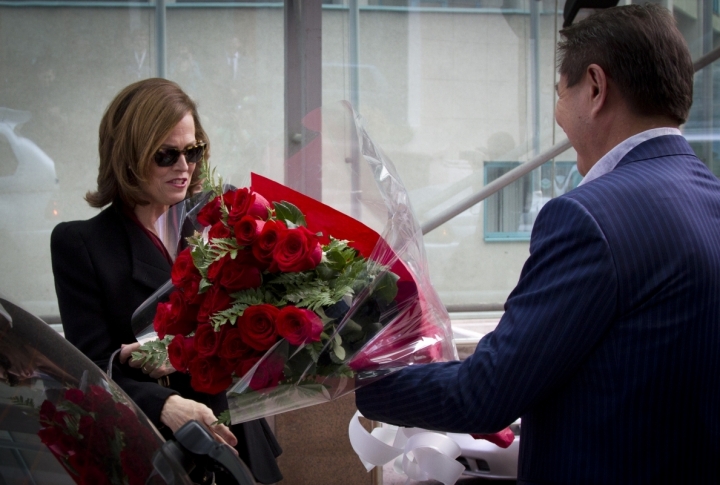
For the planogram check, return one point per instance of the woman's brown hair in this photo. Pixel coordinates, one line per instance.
(132, 130)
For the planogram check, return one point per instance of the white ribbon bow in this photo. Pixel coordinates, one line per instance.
(419, 454)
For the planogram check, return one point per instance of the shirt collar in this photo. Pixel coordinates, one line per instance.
(610, 160)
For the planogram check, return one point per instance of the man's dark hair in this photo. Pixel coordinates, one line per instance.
(641, 50)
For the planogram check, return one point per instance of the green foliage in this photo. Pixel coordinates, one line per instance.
(220, 248)
(153, 353)
(207, 175)
(386, 288)
(223, 418)
(289, 214)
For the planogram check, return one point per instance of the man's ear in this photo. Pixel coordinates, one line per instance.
(598, 85)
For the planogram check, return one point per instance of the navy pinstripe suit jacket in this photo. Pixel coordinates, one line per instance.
(609, 348)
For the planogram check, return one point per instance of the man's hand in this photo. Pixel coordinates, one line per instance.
(156, 372)
(178, 411)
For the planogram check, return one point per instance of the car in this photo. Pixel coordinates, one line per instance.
(484, 459)
(480, 457)
(63, 421)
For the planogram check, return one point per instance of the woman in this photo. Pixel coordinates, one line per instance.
(151, 146)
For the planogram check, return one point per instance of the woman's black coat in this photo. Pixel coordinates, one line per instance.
(104, 269)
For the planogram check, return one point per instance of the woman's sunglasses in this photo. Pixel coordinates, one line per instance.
(166, 157)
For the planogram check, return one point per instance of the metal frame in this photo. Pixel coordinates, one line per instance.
(303, 94)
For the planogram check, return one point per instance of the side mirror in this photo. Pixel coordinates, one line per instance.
(195, 447)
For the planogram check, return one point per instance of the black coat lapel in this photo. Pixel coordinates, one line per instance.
(149, 265)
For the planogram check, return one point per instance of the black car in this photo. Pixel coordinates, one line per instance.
(62, 421)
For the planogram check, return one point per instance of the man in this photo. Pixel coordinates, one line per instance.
(609, 347)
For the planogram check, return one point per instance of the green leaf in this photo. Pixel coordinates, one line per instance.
(287, 212)
(325, 272)
(350, 327)
(338, 354)
(153, 352)
(335, 260)
(386, 289)
(299, 363)
(338, 349)
(223, 418)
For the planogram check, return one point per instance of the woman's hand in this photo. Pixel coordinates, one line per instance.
(156, 372)
(178, 411)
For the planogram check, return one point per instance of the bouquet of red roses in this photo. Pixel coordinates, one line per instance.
(87, 432)
(285, 302)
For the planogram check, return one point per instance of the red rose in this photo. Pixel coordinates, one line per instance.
(240, 273)
(183, 268)
(216, 300)
(181, 318)
(299, 325)
(97, 399)
(258, 326)
(265, 243)
(248, 229)
(268, 374)
(297, 250)
(136, 466)
(57, 441)
(210, 213)
(207, 340)
(47, 411)
(95, 438)
(75, 396)
(127, 419)
(181, 351)
(216, 267)
(248, 203)
(243, 366)
(209, 375)
(59, 418)
(89, 472)
(162, 316)
(219, 231)
(233, 347)
(191, 289)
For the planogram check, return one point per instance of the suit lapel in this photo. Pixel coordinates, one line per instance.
(149, 266)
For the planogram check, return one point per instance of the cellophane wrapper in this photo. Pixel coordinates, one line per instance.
(373, 213)
(365, 203)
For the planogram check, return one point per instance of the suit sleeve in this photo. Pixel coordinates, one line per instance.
(561, 308)
(84, 318)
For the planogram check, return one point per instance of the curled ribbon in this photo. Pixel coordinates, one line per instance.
(419, 454)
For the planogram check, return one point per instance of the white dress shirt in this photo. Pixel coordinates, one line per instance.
(608, 162)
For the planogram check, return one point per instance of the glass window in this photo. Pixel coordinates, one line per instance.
(511, 212)
(455, 92)
(62, 421)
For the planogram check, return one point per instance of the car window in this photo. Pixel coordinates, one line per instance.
(61, 419)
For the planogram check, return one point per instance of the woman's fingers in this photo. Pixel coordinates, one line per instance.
(178, 411)
(219, 430)
(161, 371)
(153, 370)
(223, 434)
(126, 351)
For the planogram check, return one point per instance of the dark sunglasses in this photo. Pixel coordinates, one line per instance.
(166, 157)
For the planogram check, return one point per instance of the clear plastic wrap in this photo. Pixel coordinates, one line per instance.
(389, 317)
